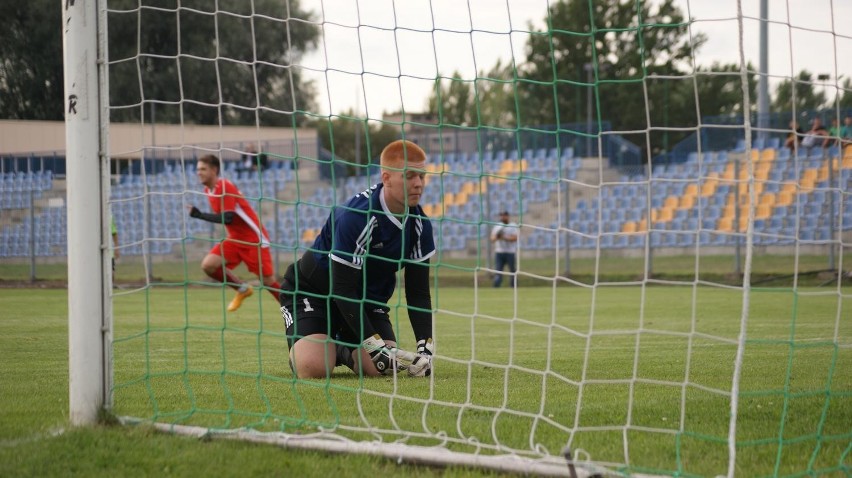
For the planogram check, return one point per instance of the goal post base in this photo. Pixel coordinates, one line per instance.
(397, 452)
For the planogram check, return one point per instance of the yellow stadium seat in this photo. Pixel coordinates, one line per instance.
(708, 188)
(308, 235)
(729, 199)
(671, 202)
(629, 226)
(767, 199)
(761, 176)
(434, 210)
(691, 190)
(809, 179)
(764, 211)
(686, 202)
(728, 173)
(725, 224)
(768, 154)
(666, 214)
(785, 198)
(822, 173)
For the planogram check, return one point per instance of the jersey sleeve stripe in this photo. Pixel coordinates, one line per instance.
(344, 261)
(363, 242)
(262, 239)
(417, 250)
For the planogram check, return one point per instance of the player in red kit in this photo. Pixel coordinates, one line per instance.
(247, 239)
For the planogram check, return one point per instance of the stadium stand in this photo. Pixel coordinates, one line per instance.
(792, 193)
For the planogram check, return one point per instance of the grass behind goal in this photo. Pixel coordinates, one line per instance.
(638, 372)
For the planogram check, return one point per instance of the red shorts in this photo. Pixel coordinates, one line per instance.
(257, 259)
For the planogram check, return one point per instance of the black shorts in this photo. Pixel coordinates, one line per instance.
(307, 311)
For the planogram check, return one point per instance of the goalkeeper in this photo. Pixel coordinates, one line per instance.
(334, 298)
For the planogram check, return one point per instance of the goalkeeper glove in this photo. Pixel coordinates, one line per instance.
(383, 358)
(421, 366)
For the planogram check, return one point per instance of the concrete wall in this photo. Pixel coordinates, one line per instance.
(129, 140)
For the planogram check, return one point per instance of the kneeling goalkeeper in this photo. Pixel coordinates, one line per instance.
(334, 298)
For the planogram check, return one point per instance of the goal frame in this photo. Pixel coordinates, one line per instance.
(89, 265)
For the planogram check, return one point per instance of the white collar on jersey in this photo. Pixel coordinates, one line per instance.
(393, 217)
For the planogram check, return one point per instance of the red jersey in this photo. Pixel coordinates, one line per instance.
(245, 227)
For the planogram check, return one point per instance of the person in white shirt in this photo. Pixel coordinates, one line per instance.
(505, 239)
(816, 136)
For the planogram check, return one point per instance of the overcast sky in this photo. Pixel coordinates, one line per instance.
(389, 63)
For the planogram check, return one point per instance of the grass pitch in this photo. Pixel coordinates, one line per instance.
(655, 370)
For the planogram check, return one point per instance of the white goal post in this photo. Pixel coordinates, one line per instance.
(89, 271)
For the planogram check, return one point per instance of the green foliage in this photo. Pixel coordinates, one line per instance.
(628, 58)
(354, 141)
(31, 75)
(720, 90)
(232, 67)
(634, 65)
(799, 94)
(844, 100)
(489, 100)
(452, 101)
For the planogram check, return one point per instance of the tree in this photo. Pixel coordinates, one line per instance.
(720, 89)
(31, 77)
(844, 96)
(355, 141)
(488, 100)
(229, 62)
(632, 55)
(452, 103)
(806, 95)
(233, 68)
(495, 97)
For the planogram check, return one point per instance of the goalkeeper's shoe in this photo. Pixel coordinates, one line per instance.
(239, 298)
(344, 357)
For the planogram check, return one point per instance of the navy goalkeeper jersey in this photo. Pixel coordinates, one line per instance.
(364, 235)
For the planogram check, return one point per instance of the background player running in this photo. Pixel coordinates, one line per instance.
(247, 240)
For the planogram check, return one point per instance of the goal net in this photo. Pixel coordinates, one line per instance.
(678, 302)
